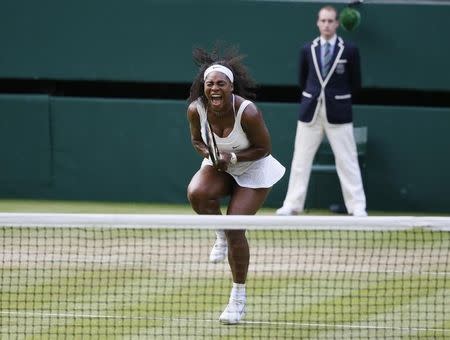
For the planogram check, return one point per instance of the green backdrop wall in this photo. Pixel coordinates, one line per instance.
(139, 150)
(152, 41)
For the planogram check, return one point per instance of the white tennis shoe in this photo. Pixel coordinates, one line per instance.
(359, 213)
(285, 211)
(219, 251)
(233, 313)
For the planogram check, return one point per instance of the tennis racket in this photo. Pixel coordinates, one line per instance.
(211, 143)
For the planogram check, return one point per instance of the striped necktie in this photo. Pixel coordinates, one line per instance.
(326, 60)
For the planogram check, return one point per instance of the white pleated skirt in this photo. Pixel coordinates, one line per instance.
(263, 173)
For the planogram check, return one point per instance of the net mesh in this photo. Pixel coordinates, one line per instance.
(107, 280)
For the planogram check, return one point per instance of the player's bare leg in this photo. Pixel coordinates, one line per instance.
(204, 192)
(244, 201)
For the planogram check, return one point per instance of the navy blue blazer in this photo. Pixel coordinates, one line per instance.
(343, 80)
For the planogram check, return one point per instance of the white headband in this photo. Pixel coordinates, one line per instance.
(219, 68)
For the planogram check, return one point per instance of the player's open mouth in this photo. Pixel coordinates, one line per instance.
(216, 100)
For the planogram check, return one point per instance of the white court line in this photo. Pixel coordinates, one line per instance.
(268, 323)
(268, 270)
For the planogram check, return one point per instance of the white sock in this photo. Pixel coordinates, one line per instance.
(220, 234)
(238, 291)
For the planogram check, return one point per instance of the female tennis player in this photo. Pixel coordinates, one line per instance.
(244, 170)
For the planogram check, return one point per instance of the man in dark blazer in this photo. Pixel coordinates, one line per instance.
(329, 73)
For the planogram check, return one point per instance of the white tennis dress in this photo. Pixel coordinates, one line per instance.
(262, 173)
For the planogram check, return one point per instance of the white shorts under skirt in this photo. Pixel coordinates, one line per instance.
(263, 173)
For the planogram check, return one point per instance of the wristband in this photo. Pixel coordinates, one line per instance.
(233, 159)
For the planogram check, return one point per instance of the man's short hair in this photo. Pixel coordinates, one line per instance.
(329, 8)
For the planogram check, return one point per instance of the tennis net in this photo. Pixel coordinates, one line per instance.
(148, 276)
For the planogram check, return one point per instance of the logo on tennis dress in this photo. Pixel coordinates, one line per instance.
(235, 147)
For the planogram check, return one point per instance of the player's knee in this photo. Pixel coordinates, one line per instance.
(195, 195)
(201, 201)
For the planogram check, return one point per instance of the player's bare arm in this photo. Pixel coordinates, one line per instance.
(257, 133)
(195, 129)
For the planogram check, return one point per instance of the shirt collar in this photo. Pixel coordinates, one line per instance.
(332, 41)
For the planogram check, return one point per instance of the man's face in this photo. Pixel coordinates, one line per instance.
(327, 23)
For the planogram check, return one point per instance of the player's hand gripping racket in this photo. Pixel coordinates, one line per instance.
(211, 143)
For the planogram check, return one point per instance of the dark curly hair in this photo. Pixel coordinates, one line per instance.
(244, 85)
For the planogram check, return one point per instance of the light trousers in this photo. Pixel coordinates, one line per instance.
(342, 141)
